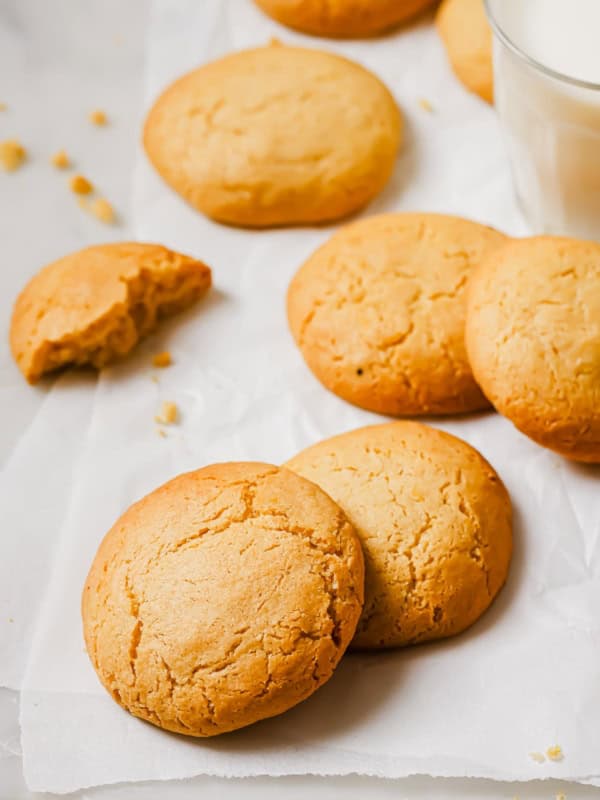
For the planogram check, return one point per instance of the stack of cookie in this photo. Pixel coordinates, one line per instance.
(416, 314)
(230, 594)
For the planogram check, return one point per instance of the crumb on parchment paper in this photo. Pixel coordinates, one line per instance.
(561, 796)
(555, 753)
(162, 360)
(3, 106)
(103, 210)
(12, 154)
(99, 208)
(162, 433)
(425, 104)
(539, 758)
(98, 117)
(169, 414)
(60, 160)
(80, 185)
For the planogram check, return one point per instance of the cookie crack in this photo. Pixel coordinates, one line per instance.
(136, 634)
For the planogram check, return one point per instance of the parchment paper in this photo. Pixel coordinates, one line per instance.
(522, 679)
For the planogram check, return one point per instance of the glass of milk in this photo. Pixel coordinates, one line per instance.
(547, 93)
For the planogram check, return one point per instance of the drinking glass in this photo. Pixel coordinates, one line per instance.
(551, 125)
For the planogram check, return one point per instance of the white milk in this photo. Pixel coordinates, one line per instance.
(551, 123)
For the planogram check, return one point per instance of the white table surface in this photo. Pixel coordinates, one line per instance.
(58, 61)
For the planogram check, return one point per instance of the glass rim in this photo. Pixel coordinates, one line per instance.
(548, 71)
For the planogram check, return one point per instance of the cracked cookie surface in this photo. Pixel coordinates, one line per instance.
(343, 18)
(93, 306)
(379, 312)
(275, 136)
(434, 520)
(533, 337)
(224, 597)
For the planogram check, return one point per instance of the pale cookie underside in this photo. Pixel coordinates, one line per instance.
(434, 520)
(93, 306)
(533, 336)
(379, 312)
(226, 596)
(253, 139)
(467, 37)
(351, 18)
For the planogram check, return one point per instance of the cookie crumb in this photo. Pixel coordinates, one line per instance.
(537, 757)
(168, 415)
(60, 160)
(162, 359)
(12, 154)
(154, 378)
(425, 104)
(274, 42)
(561, 796)
(162, 433)
(103, 210)
(80, 185)
(98, 117)
(10, 619)
(3, 106)
(555, 753)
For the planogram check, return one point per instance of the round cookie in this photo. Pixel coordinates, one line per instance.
(343, 18)
(275, 136)
(93, 306)
(434, 520)
(533, 337)
(224, 597)
(379, 311)
(467, 37)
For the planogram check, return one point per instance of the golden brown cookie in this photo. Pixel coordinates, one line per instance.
(379, 312)
(275, 136)
(533, 337)
(434, 520)
(467, 37)
(224, 597)
(93, 306)
(343, 18)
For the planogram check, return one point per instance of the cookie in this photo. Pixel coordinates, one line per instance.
(434, 520)
(533, 337)
(224, 597)
(343, 18)
(467, 37)
(93, 306)
(379, 311)
(275, 136)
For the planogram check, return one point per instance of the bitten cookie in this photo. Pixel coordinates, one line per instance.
(343, 18)
(467, 37)
(93, 306)
(533, 337)
(224, 597)
(434, 520)
(379, 312)
(275, 136)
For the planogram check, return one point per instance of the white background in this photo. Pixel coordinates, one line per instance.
(58, 60)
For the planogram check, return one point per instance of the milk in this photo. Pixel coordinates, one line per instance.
(547, 92)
